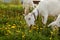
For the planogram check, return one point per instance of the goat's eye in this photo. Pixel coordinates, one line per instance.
(29, 18)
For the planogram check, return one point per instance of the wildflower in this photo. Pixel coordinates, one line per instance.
(41, 28)
(8, 31)
(6, 23)
(23, 36)
(13, 26)
(9, 25)
(6, 28)
(51, 32)
(55, 28)
(23, 33)
(30, 31)
(50, 38)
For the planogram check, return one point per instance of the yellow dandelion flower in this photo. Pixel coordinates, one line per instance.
(13, 26)
(23, 36)
(9, 25)
(8, 31)
(41, 28)
(6, 28)
(50, 38)
(51, 32)
(6, 23)
(30, 31)
(23, 33)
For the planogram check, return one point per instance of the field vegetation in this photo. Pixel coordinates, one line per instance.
(14, 27)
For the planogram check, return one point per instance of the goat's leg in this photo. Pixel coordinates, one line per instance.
(44, 19)
(52, 24)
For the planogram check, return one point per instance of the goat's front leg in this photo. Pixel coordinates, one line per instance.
(52, 24)
(45, 17)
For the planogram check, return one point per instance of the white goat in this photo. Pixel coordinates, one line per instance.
(45, 8)
(30, 18)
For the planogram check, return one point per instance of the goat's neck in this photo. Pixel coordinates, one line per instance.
(36, 13)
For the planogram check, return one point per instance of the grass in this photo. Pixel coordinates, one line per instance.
(14, 27)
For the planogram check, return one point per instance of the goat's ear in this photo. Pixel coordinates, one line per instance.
(33, 13)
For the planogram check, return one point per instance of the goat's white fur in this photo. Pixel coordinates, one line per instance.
(46, 8)
(56, 22)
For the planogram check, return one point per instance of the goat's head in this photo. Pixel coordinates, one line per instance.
(29, 18)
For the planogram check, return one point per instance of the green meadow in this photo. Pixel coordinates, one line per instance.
(14, 27)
